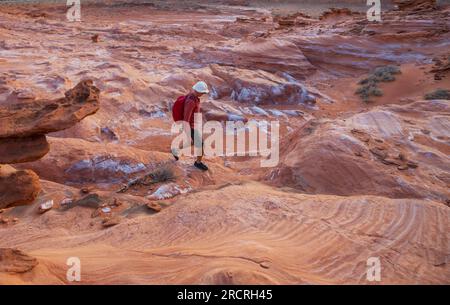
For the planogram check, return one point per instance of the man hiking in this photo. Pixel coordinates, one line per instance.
(184, 109)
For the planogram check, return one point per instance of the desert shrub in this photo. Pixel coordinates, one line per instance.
(369, 85)
(438, 94)
(386, 73)
(163, 173)
(368, 90)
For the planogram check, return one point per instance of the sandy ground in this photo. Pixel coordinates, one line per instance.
(355, 179)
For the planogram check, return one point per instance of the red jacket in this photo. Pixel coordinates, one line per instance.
(191, 106)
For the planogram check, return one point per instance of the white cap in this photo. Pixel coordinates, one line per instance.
(201, 87)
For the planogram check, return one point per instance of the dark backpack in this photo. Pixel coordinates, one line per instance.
(178, 109)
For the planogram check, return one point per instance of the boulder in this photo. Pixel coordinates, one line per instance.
(111, 221)
(17, 187)
(154, 206)
(46, 206)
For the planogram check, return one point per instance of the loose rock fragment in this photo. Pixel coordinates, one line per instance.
(392, 161)
(106, 210)
(88, 201)
(46, 206)
(154, 206)
(94, 38)
(111, 221)
(378, 152)
(66, 201)
(412, 164)
(403, 167)
(117, 203)
(85, 190)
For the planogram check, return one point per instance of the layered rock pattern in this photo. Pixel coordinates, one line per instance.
(355, 180)
(22, 136)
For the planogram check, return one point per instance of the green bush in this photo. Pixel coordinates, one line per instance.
(386, 73)
(369, 85)
(438, 94)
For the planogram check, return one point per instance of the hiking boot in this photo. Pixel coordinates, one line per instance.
(201, 166)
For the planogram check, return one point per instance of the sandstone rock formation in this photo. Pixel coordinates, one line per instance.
(94, 162)
(40, 117)
(416, 5)
(16, 261)
(234, 235)
(336, 13)
(296, 19)
(17, 187)
(272, 55)
(22, 136)
(372, 153)
(259, 87)
(23, 149)
(355, 180)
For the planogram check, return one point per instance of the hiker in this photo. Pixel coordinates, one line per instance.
(184, 109)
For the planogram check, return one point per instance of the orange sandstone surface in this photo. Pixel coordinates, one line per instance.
(85, 133)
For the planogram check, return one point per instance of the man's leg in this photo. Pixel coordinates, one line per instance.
(198, 163)
(175, 154)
